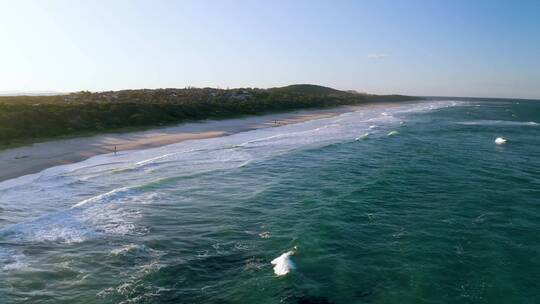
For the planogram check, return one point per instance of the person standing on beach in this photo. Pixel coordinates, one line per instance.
(114, 150)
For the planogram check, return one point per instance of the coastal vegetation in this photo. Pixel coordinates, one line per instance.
(26, 119)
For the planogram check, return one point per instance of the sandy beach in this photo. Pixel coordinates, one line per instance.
(39, 156)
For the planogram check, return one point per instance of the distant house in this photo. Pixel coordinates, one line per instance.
(240, 96)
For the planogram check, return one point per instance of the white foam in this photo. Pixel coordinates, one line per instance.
(392, 133)
(500, 140)
(105, 214)
(363, 136)
(153, 159)
(56, 227)
(283, 263)
(11, 260)
(125, 249)
(17, 264)
(103, 198)
(265, 235)
(498, 122)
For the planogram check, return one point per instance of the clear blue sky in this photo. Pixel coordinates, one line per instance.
(453, 48)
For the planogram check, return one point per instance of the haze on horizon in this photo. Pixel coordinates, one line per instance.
(432, 48)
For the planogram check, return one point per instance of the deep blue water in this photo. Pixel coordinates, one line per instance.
(435, 213)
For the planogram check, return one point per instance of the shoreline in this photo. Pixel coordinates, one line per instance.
(34, 158)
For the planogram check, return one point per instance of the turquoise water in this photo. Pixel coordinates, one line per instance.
(436, 213)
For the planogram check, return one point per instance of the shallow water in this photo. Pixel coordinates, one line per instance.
(435, 213)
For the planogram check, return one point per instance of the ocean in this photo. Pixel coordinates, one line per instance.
(409, 203)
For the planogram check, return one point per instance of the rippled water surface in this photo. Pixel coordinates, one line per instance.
(435, 212)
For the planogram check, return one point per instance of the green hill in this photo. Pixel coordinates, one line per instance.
(310, 89)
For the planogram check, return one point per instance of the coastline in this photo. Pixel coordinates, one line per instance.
(37, 157)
